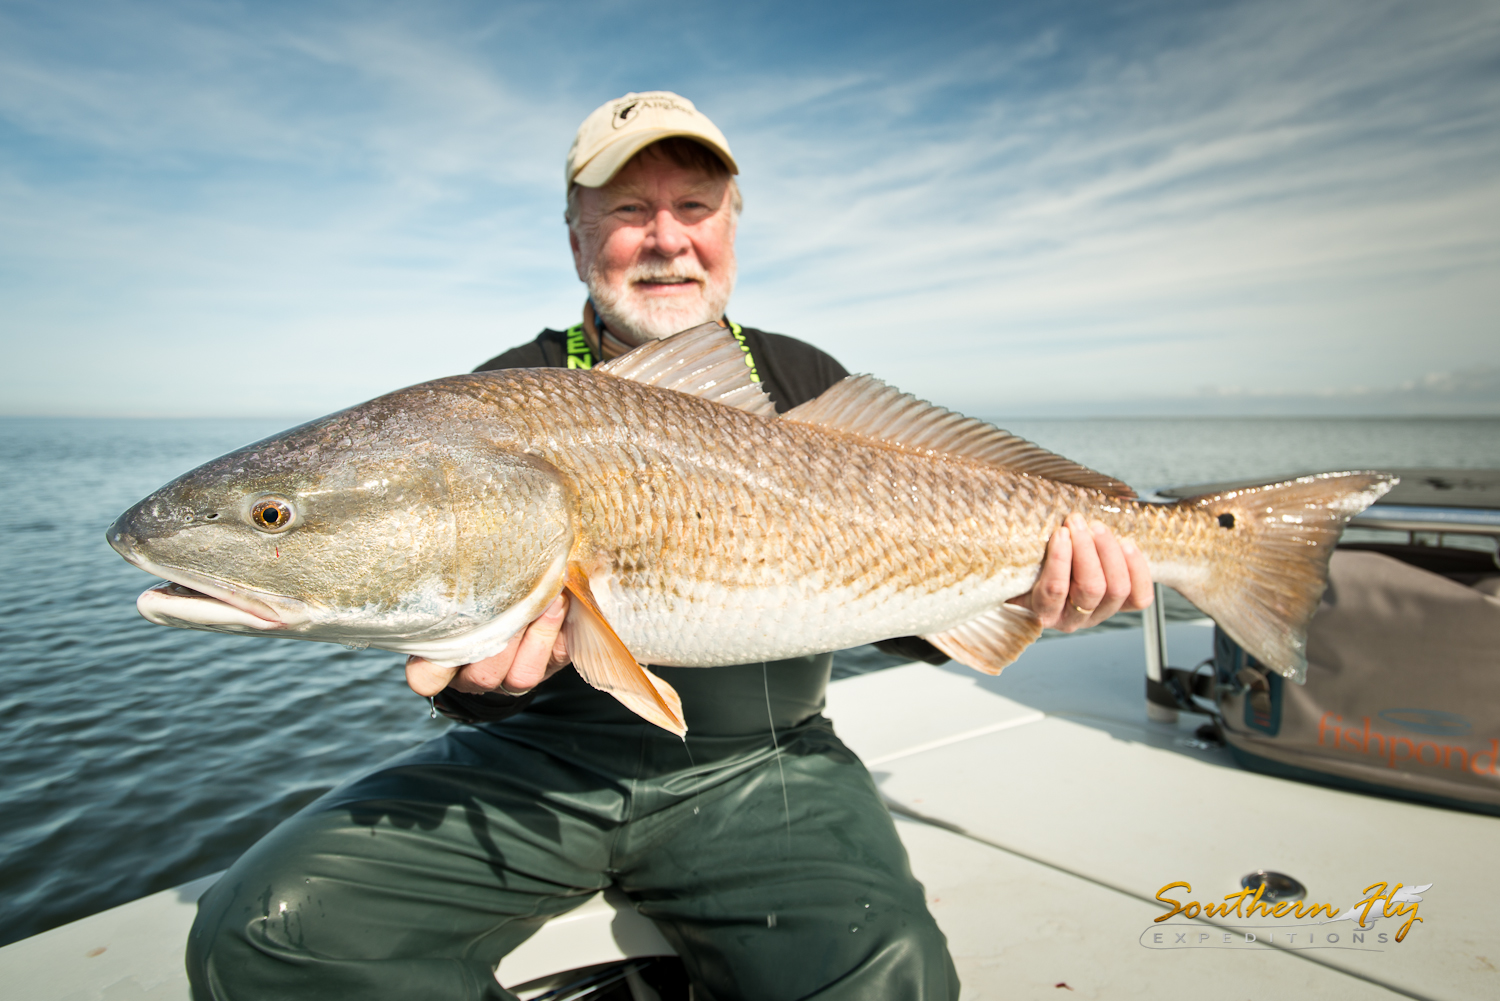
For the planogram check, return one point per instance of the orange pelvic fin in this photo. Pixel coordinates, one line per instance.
(603, 660)
(991, 641)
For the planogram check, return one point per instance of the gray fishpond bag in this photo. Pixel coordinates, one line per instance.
(1403, 682)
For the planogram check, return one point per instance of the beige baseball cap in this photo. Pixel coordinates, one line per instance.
(620, 129)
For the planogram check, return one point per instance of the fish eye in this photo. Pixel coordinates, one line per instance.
(271, 514)
(1226, 521)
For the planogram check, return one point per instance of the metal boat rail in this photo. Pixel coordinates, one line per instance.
(1443, 520)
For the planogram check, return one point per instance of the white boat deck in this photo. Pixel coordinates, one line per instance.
(1087, 810)
(1042, 812)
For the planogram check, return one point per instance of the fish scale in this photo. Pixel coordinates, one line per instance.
(890, 539)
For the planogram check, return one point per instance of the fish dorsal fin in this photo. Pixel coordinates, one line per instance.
(601, 657)
(991, 641)
(863, 405)
(706, 360)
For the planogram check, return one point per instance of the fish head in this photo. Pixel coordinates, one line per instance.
(414, 518)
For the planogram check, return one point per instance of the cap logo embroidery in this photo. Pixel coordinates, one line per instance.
(625, 114)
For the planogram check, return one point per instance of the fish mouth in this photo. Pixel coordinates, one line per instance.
(174, 604)
(196, 601)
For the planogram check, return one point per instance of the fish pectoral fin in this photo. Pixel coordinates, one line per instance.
(706, 361)
(604, 661)
(863, 406)
(992, 641)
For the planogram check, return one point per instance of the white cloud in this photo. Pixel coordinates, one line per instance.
(1282, 196)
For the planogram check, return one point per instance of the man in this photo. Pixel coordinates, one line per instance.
(759, 846)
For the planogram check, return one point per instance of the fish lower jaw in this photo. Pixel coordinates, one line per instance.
(189, 600)
(173, 604)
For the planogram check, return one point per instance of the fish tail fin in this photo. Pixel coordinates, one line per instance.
(1264, 587)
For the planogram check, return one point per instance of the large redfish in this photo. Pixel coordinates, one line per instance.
(691, 525)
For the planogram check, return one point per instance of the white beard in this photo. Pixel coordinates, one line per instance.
(636, 318)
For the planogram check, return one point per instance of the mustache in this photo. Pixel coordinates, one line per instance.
(666, 271)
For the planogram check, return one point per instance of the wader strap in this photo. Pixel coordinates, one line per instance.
(579, 355)
(739, 335)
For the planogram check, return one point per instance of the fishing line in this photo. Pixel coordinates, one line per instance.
(765, 677)
(693, 770)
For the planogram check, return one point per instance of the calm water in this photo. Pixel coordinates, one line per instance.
(134, 758)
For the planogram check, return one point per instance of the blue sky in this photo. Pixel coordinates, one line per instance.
(1013, 209)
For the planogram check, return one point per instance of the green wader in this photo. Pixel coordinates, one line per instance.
(772, 868)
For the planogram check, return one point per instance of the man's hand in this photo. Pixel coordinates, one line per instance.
(539, 652)
(1087, 576)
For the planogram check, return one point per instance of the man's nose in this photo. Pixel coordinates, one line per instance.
(667, 235)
